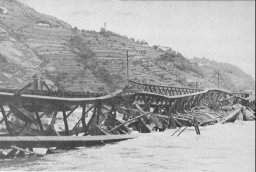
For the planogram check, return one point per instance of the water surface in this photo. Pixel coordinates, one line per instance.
(228, 147)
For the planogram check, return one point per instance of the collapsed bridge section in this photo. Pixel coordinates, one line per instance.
(164, 90)
(45, 113)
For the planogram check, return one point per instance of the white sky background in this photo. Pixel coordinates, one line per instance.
(219, 30)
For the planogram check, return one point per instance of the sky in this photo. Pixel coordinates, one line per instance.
(223, 31)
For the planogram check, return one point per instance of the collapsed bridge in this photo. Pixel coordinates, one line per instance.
(142, 108)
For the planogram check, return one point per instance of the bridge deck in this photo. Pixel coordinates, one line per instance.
(55, 141)
(5, 96)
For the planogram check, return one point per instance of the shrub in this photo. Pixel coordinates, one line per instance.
(84, 50)
(107, 33)
(132, 39)
(3, 59)
(102, 31)
(155, 47)
(180, 62)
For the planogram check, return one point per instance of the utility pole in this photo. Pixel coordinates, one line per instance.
(218, 78)
(127, 67)
(105, 26)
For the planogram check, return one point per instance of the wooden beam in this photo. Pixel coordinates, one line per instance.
(31, 131)
(57, 141)
(25, 151)
(72, 111)
(99, 112)
(182, 130)
(93, 118)
(39, 121)
(21, 113)
(81, 118)
(19, 92)
(11, 153)
(35, 108)
(65, 120)
(53, 118)
(45, 85)
(25, 129)
(133, 119)
(44, 113)
(7, 115)
(171, 121)
(5, 119)
(176, 130)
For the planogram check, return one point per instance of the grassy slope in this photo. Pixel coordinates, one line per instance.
(84, 60)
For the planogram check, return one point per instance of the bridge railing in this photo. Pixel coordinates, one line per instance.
(164, 90)
(241, 94)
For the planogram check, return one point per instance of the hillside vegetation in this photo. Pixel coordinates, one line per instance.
(230, 76)
(81, 60)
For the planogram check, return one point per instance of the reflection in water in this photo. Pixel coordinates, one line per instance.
(228, 147)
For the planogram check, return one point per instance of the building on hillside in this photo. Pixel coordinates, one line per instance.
(3, 10)
(3, 32)
(163, 48)
(141, 51)
(43, 23)
(105, 25)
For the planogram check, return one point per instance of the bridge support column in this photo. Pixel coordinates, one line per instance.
(83, 117)
(65, 120)
(5, 120)
(38, 117)
(172, 123)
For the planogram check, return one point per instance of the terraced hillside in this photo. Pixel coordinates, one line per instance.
(31, 43)
(39, 43)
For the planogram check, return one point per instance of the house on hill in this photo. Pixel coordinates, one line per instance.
(163, 48)
(3, 10)
(43, 23)
(3, 32)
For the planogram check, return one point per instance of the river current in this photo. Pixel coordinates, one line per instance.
(227, 147)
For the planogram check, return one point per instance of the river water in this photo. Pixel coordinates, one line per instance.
(227, 147)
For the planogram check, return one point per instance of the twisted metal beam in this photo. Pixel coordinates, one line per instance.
(164, 90)
(209, 98)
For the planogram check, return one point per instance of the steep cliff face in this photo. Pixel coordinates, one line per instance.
(31, 43)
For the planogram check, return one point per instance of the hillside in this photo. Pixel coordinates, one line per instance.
(82, 60)
(230, 76)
